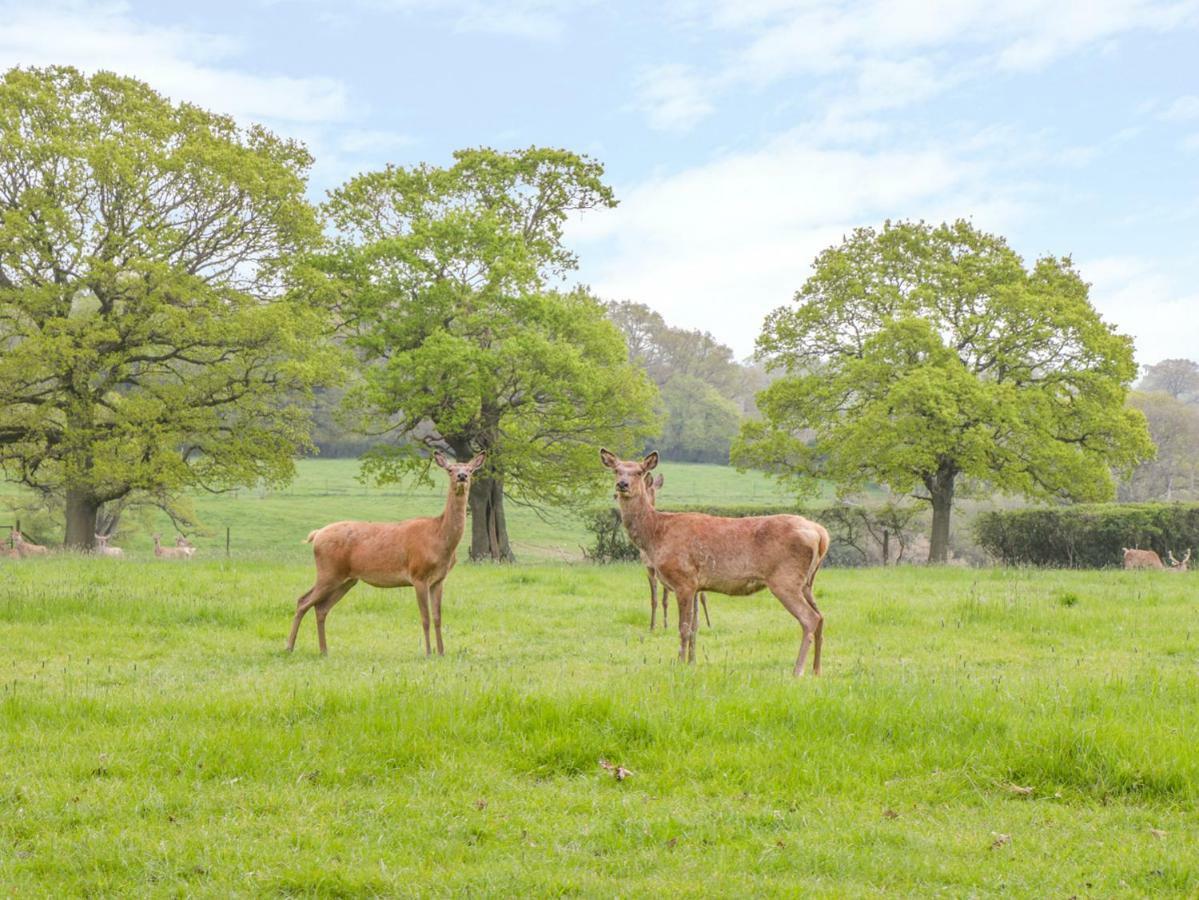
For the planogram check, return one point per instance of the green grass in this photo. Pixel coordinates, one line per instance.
(274, 523)
(157, 742)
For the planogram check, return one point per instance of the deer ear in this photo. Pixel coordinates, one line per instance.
(478, 461)
(440, 459)
(649, 462)
(659, 481)
(607, 458)
(648, 479)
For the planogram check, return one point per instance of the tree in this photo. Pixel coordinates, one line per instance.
(148, 335)
(445, 272)
(700, 423)
(1177, 377)
(920, 354)
(1174, 427)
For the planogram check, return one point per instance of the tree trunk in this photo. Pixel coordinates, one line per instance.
(488, 527)
(940, 489)
(886, 546)
(81, 521)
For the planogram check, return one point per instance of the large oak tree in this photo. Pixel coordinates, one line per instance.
(148, 337)
(916, 355)
(445, 278)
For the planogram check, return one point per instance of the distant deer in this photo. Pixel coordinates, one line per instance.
(417, 552)
(1141, 559)
(1179, 565)
(691, 552)
(102, 548)
(653, 485)
(170, 552)
(24, 548)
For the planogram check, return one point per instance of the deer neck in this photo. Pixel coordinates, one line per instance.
(453, 519)
(640, 520)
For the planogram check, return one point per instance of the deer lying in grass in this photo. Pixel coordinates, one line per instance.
(417, 552)
(653, 485)
(692, 552)
(24, 548)
(1141, 559)
(170, 552)
(102, 548)
(1179, 565)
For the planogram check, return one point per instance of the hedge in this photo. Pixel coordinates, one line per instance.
(1090, 536)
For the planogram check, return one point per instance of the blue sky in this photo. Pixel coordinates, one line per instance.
(741, 136)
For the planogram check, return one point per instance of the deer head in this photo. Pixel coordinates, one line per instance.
(630, 476)
(1179, 565)
(460, 473)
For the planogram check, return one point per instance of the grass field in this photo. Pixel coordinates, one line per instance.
(273, 524)
(975, 733)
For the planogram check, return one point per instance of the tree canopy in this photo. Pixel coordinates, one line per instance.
(917, 355)
(445, 273)
(149, 336)
(1174, 427)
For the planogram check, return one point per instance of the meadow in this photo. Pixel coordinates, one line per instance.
(975, 732)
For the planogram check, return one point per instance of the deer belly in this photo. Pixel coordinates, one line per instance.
(733, 587)
(385, 579)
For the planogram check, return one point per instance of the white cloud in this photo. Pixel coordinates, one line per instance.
(1181, 110)
(185, 65)
(1141, 300)
(719, 246)
(673, 97)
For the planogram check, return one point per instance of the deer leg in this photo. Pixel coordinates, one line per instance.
(422, 600)
(818, 638)
(703, 599)
(322, 611)
(665, 602)
(653, 598)
(685, 605)
(694, 627)
(305, 602)
(435, 602)
(791, 595)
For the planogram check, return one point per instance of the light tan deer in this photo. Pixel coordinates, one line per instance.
(692, 552)
(416, 552)
(653, 485)
(1179, 565)
(170, 552)
(24, 548)
(1141, 559)
(102, 548)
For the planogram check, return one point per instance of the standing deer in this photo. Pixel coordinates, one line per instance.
(1179, 565)
(691, 552)
(1141, 559)
(102, 548)
(170, 552)
(417, 552)
(24, 548)
(653, 485)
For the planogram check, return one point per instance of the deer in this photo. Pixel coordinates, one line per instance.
(1179, 565)
(102, 548)
(170, 552)
(691, 552)
(1141, 559)
(653, 485)
(416, 552)
(24, 548)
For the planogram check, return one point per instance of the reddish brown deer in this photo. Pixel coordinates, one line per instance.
(1179, 565)
(24, 548)
(653, 485)
(1141, 559)
(416, 552)
(692, 552)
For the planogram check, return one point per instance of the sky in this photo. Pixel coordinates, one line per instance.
(741, 136)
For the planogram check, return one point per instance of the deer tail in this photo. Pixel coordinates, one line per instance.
(311, 535)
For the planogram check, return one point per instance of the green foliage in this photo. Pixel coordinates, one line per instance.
(149, 331)
(1174, 427)
(446, 273)
(610, 542)
(919, 354)
(1087, 536)
(156, 742)
(700, 423)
